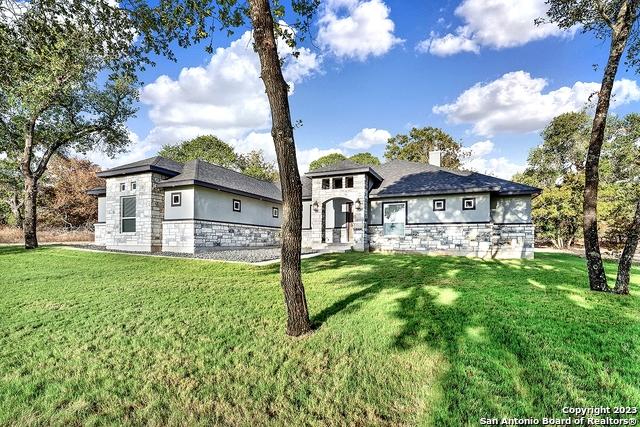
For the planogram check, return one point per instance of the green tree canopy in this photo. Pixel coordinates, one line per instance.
(213, 150)
(206, 147)
(254, 164)
(365, 159)
(419, 142)
(557, 166)
(361, 158)
(63, 87)
(563, 151)
(327, 160)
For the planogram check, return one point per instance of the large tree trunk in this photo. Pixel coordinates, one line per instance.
(624, 266)
(282, 131)
(30, 216)
(620, 35)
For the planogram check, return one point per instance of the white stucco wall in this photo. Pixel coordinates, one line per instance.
(186, 208)
(511, 209)
(420, 209)
(102, 209)
(213, 205)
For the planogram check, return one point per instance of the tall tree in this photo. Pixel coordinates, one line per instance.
(419, 142)
(65, 202)
(623, 158)
(205, 147)
(606, 18)
(264, 35)
(52, 100)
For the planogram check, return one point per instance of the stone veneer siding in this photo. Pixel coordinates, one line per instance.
(191, 236)
(360, 191)
(484, 240)
(98, 233)
(149, 213)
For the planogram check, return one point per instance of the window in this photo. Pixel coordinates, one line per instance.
(275, 212)
(237, 205)
(469, 204)
(128, 214)
(123, 186)
(439, 204)
(176, 199)
(337, 182)
(133, 185)
(348, 182)
(394, 218)
(325, 184)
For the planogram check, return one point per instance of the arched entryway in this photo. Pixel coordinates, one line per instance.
(337, 221)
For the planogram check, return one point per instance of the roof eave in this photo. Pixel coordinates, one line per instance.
(100, 191)
(345, 171)
(135, 170)
(432, 193)
(185, 182)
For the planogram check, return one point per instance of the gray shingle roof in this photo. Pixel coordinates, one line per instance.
(199, 172)
(306, 187)
(153, 164)
(403, 178)
(97, 191)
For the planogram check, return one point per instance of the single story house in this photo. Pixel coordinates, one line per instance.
(161, 205)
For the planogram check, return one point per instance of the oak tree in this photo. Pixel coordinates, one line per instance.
(607, 19)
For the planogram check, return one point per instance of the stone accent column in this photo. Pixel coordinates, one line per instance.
(358, 192)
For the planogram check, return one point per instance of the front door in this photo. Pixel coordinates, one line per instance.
(349, 220)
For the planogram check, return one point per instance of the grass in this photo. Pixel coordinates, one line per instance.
(104, 339)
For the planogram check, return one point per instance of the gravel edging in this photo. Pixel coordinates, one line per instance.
(249, 255)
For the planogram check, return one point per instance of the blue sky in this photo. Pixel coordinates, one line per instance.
(482, 71)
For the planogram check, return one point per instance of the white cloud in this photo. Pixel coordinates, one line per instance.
(225, 98)
(305, 157)
(356, 29)
(495, 24)
(367, 138)
(516, 103)
(448, 44)
(495, 166)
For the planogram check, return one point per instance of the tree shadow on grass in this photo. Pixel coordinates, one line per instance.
(513, 348)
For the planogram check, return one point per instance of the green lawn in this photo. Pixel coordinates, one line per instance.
(90, 338)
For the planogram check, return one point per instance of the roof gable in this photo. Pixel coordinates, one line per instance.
(403, 178)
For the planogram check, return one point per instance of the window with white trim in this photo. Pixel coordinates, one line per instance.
(469, 204)
(176, 199)
(237, 205)
(439, 205)
(394, 217)
(337, 182)
(133, 185)
(128, 214)
(275, 212)
(123, 186)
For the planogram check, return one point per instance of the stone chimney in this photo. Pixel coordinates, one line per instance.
(435, 158)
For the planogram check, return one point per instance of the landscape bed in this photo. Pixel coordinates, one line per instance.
(106, 338)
